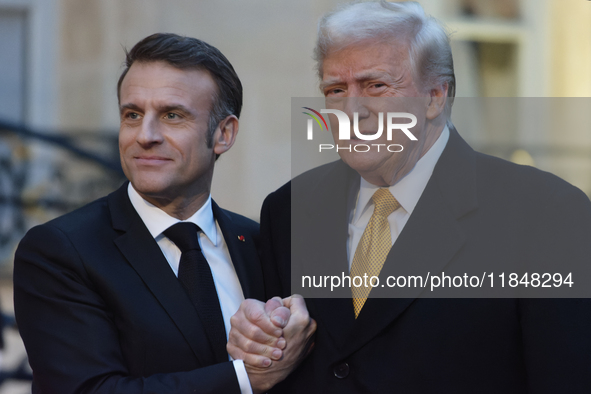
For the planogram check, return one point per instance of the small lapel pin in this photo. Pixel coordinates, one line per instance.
(241, 237)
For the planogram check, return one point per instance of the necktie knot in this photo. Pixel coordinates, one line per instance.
(184, 236)
(385, 203)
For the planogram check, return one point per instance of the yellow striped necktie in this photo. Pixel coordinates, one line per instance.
(374, 246)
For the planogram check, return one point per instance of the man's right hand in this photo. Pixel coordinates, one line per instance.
(271, 338)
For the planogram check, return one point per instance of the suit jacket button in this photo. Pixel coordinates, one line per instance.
(341, 371)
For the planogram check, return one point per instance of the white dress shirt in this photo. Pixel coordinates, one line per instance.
(215, 251)
(407, 191)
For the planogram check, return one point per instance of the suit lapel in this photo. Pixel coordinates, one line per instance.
(323, 211)
(144, 255)
(243, 251)
(428, 242)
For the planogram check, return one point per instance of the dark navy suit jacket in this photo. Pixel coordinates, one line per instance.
(474, 208)
(100, 310)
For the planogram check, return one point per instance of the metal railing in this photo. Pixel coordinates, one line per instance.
(46, 174)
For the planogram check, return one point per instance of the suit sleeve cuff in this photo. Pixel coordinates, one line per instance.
(242, 376)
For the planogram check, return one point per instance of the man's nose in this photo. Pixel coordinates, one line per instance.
(356, 105)
(150, 132)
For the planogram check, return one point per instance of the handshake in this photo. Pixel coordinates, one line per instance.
(272, 338)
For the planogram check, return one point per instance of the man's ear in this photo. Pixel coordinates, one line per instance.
(437, 102)
(225, 134)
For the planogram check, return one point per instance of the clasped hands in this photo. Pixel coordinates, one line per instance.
(272, 338)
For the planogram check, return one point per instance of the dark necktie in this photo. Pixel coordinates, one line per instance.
(195, 275)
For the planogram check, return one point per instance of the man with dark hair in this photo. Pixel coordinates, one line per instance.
(133, 293)
(189, 53)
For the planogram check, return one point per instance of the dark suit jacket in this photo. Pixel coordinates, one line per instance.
(474, 207)
(100, 310)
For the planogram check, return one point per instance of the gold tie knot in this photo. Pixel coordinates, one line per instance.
(385, 203)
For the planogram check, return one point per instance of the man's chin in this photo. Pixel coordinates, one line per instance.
(149, 187)
(366, 161)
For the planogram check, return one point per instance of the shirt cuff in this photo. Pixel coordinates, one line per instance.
(242, 376)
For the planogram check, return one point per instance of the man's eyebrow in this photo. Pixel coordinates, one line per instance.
(360, 77)
(329, 82)
(160, 108)
(173, 107)
(128, 106)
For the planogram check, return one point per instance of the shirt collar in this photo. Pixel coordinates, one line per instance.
(156, 220)
(409, 189)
